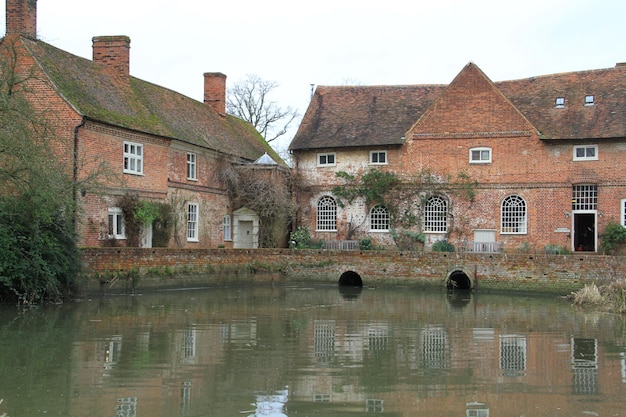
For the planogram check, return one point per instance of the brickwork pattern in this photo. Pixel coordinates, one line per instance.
(536, 273)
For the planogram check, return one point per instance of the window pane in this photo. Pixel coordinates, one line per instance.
(331, 159)
(326, 214)
(379, 218)
(436, 215)
(513, 215)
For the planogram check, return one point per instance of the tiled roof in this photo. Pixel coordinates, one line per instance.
(381, 115)
(536, 98)
(362, 116)
(99, 95)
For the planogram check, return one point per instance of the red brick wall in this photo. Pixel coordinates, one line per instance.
(187, 268)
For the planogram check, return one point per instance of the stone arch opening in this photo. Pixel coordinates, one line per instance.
(458, 279)
(350, 279)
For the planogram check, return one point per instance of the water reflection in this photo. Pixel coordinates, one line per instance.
(298, 351)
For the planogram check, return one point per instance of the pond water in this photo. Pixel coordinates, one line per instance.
(310, 350)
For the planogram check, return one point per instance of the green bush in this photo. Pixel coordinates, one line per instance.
(613, 236)
(365, 244)
(443, 246)
(300, 238)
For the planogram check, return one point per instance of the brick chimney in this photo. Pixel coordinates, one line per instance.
(21, 18)
(215, 91)
(113, 51)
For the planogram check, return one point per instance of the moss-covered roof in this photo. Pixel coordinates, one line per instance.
(98, 94)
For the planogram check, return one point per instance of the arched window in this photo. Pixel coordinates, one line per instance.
(436, 215)
(379, 219)
(513, 215)
(326, 214)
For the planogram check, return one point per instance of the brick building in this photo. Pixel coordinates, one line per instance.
(160, 146)
(511, 165)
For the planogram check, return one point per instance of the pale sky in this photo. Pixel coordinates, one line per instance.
(341, 42)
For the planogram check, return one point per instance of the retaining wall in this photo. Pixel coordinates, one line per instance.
(138, 269)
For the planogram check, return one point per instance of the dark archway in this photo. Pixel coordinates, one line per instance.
(458, 280)
(350, 279)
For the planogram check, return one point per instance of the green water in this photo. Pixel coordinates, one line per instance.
(308, 350)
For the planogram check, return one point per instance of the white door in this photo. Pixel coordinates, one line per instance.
(246, 237)
(146, 237)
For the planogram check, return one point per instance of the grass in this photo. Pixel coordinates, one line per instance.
(610, 297)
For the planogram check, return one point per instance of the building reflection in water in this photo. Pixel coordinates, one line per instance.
(391, 356)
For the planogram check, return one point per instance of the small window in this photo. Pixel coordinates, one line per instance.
(227, 229)
(116, 223)
(623, 212)
(560, 102)
(480, 155)
(586, 153)
(379, 219)
(378, 157)
(191, 166)
(192, 222)
(589, 100)
(325, 159)
(133, 158)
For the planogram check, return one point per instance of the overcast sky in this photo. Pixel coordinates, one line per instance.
(341, 42)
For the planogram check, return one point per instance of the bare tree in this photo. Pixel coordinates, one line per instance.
(250, 100)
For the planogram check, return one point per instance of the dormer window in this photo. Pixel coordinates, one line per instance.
(560, 102)
(589, 101)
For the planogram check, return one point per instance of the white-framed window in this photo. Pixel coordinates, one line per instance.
(227, 228)
(436, 215)
(379, 219)
(622, 212)
(480, 155)
(559, 103)
(116, 229)
(585, 197)
(513, 215)
(590, 100)
(586, 153)
(133, 158)
(326, 214)
(326, 159)
(192, 222)
(191, 166)
(378, 157)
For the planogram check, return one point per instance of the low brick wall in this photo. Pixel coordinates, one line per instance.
(128, 269)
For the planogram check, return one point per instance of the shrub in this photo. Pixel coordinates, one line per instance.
(613, 236)
(407, 240)
(554, 249)
(443, 246)
(365, 244)
(300, 237)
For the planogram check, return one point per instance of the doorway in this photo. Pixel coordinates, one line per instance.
(585, 232)
(245, 234)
